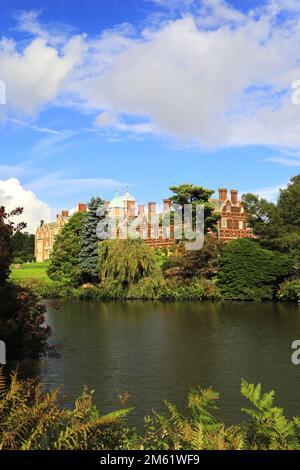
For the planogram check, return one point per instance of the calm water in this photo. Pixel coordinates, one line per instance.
(158, 351)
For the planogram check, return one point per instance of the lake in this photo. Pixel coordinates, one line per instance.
(157, 351)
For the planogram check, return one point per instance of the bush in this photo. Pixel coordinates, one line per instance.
(21, 315)
(22, 323)
(289, 290)
(195, 290)
(250, 272)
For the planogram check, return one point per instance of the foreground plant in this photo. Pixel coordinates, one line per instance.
(33, 419)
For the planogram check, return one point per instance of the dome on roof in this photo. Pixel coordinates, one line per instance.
(117, 202)
(128, 197)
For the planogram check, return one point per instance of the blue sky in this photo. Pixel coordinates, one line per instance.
(145, 93)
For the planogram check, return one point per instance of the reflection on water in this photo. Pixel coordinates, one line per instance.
(156, 351)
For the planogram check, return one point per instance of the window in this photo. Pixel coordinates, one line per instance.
(241, 225)
(224, 223)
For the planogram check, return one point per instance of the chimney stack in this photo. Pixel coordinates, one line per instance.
(151, 207)
(223, 194)
(167, 205)
(81, 207)
(141, 209)
(234, 196)
(65, 213)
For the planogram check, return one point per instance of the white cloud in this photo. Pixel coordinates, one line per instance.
(213, 77)
(220, 87)
(34, 127)
(63, 186)
(13, 194)
(35, 76)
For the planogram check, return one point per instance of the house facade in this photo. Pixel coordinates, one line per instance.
(233, 221)
(46, 232)
(232, 224)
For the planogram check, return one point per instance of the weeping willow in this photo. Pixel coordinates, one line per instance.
(126, 261)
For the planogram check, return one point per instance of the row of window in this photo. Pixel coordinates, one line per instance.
(234, 224)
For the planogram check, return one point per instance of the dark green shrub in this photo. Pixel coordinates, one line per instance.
(250, 272)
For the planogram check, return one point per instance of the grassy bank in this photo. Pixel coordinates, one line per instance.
(30, 272)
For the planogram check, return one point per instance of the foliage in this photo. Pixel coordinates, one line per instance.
(21, 315)
(126, 262)
(268, 428)
(190, 194)
(23, 246)
(31, 419)
(187, 264)
(22, 320)
(7, 229)
(262, 216)
(277, 225)
(289, 290)
(250, 272)
(89, 242)
(64, 260)
(289, 205)
(193, 290)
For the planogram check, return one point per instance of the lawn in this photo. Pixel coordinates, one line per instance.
(29, 272)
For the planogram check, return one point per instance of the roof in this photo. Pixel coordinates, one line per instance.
(116, 202)
(128, 197)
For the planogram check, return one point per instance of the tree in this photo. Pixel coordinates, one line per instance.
(64, 259)
(277, 225)
(262, 216)
(89, 242)
(21, 315)
(289, 206)
(190, 194)
(250, 272)
(23, 246)
(7, 229)
(126, 261)
(187, 264)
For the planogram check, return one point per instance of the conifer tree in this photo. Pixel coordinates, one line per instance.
(88, 258)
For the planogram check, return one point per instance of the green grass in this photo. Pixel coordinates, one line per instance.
(30, 272)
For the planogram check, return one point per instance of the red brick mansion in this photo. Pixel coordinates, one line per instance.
(232, 224)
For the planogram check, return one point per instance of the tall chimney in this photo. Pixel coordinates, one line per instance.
(65, 213)
(81, 207)
(223, 194)
(141, 209)
(151, 207)
(234, 196)
(167, 205)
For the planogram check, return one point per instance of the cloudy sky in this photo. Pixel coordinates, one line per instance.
(146, 93)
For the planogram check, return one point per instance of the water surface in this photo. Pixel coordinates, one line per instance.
(157, 351)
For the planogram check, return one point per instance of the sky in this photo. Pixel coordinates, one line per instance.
(105, 94)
